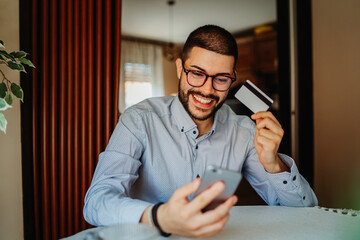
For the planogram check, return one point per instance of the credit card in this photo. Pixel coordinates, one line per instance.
(253, 98)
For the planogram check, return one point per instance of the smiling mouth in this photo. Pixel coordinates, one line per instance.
(202, 100)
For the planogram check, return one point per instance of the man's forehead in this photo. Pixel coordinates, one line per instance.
(205, 59)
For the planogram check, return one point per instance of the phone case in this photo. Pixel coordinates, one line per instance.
(214, 174)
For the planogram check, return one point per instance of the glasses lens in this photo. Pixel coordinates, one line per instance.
(222, 83)
(196, 78)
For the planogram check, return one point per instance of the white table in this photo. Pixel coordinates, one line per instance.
(277, 222)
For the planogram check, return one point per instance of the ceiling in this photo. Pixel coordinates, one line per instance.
(150, 19)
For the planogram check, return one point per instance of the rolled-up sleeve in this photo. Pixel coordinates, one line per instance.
(107, 201)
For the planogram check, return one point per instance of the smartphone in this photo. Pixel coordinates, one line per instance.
(214, 174)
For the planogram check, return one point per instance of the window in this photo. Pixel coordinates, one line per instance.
(138, 84)
(141, 73)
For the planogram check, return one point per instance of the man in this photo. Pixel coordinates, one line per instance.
(161, 145)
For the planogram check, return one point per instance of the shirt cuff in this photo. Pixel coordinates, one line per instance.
(285, 181)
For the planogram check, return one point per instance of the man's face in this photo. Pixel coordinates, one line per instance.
(201, 103)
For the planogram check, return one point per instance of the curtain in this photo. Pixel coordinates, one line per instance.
(141, 53)
(73, 92)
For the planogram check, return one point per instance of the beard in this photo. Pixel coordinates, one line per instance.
(184, 99)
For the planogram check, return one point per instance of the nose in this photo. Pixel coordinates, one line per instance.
(207, 87)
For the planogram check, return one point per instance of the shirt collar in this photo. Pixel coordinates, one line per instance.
(184, 121)
(182, 118)
(220, 118)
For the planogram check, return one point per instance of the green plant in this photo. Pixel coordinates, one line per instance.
(14, 61)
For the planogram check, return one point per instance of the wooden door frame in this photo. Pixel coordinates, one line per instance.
(304, 91)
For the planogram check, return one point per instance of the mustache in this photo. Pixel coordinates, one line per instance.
(211, 96)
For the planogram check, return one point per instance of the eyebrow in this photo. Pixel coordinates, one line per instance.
(203, 70)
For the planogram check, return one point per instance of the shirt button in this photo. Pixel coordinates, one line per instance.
(194, 132)
(196, 147)
(304, 197)
(294, 178)
(285, 182)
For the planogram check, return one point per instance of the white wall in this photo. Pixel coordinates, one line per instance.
(336, 58)
(11, 208)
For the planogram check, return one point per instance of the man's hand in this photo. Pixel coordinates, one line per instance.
(181, 217)
(268, 137)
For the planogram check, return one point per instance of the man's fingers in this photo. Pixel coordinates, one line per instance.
(228, 204)
(206, 197)
(262, 115)
(267, 144)
(218, 213)
(187, 189)
(213, 228)
(268, 123)
(269, 134)
(188, 219)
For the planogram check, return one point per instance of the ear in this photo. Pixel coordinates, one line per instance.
(179, 67)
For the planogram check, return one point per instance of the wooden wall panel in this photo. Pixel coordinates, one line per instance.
(75, 46)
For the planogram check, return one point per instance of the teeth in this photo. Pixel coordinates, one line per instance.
(202, 100)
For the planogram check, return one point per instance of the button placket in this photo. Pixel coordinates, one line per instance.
(197, 141)
(192, 142)
(194, 149)
(294, 180)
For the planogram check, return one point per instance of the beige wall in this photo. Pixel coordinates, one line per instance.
(171, 81)
(11, 210)
(336, 58)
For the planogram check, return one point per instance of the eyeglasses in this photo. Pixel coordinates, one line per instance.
(220, 82)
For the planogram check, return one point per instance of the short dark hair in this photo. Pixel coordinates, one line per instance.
(212, 38)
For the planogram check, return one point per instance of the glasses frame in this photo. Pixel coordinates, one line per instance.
(233, 79)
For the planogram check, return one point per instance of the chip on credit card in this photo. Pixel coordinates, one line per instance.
(253, 98)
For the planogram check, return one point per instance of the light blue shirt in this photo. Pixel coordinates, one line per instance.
(155, 149)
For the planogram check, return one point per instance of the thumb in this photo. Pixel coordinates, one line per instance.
(187, 189)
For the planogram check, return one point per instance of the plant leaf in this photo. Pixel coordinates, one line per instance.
(2, 58)
(2, 45)
(16, 90)
(3, 90)
(3, 123)
(16, 66)
(27, 62)
(4, 105)
(18, 54)
(4, 53)
(9, 99)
